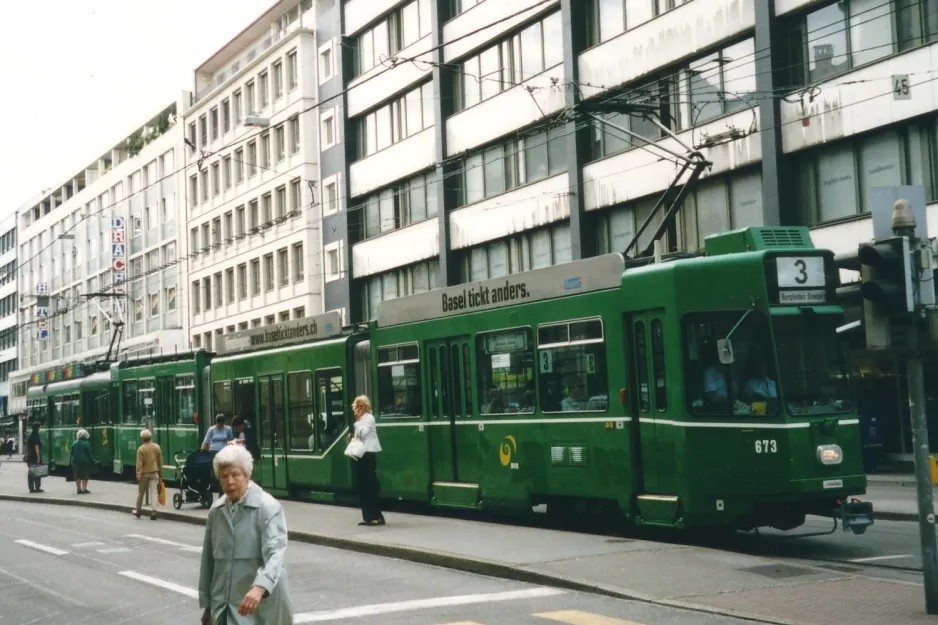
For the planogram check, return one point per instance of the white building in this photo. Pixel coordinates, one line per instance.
(251, 173)
(70, 253)
(8, 323)
(468, 153)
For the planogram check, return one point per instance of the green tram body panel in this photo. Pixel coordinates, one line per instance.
(298, 400)
(62, 408)
(697, 392)
(164, 394)
(112, 406)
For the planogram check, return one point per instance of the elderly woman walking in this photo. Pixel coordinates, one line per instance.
(243, 579)
(82, 459)
(367, 467)
(149, 472)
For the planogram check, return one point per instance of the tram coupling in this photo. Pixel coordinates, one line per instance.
(855, 515)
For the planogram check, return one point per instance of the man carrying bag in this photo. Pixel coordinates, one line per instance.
(37, 470)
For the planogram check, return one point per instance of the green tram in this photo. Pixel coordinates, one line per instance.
(114, 401)
(164, 395)
(75, 397)
(702, 392)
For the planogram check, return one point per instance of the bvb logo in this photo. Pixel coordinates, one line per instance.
(508, 448)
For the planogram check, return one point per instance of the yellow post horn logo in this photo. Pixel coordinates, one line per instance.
(508, 448)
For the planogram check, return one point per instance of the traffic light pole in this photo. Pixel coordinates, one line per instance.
(916, 381)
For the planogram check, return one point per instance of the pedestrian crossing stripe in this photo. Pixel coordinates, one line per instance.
(574, 617)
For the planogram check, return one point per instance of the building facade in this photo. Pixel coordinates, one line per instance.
(9, 338)
(470, 146)
(100, 252)
(251, 179)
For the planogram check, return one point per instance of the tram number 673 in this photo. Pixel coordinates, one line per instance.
(766, 446)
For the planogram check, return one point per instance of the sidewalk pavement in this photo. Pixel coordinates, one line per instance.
(690, 577)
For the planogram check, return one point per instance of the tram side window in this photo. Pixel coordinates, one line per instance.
(300, 398)
(657, 354)
(131, 409)
(505, 362)
(185, 399)
(221, 394)
(399, 381)
(571, 360)
(331, 408)
(748, 386)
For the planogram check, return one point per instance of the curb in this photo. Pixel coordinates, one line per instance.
(464, 564)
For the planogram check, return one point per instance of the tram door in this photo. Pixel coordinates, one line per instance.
(273, 430)
(653, 445)
(165, 418)
(450, 402)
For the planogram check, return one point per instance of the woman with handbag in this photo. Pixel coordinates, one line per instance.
(82, 458)
(366, 436)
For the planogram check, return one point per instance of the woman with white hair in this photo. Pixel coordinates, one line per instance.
(81, 457)
(149, 472)
(243, 578)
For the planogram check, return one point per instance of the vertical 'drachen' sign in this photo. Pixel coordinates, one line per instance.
(118, 267)
(42, 311)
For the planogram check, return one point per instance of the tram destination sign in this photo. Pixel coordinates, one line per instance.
(285, 333)
(582, 276)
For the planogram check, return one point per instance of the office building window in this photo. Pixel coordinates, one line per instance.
(395, 121)
(292, 70)
(401, 205)
(225, 115)
(401, 28)
(417, 278)
(278, 80)
(510, 62)
(268, 272)
(294, 125)
(255, 277)
(283, 266)
(298, 262)
(242, 281)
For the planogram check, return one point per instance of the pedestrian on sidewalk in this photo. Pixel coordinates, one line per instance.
(82, 459)
(218, 436)
(34, 456)
(367, 467)
(149, 472)
(243, 577)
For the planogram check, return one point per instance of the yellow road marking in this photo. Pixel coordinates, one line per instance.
(574, 617)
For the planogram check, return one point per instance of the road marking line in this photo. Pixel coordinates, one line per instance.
(876, 558)
(574, 617)
(170, 543)
(42, 588)
(154, 581)
(114, 550)
(422, 604)
(37, 546)
(93, 543)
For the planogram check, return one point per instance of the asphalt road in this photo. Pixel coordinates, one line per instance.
(62, 565)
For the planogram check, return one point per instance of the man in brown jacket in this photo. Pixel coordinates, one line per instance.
(149, 472)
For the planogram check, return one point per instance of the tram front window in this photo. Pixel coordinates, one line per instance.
(813, 366)
(747, 386)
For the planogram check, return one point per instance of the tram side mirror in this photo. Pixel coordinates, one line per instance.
(725, 352)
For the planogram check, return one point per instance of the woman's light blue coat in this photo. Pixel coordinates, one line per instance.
(242, 552)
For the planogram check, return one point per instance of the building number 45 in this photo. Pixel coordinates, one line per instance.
(766, 446)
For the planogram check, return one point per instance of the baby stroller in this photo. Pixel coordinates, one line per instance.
(196, 481)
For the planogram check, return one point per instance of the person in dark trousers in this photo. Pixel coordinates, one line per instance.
(245, 435)
(367, 467)
(34, 456)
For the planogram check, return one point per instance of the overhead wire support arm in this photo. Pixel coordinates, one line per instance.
(690, 159)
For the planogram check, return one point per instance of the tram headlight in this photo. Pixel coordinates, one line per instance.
(830, 454)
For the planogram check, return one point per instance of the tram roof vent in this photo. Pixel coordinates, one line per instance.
(755, 239)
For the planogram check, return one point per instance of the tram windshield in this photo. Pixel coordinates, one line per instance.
(813, 365)
(747, 386)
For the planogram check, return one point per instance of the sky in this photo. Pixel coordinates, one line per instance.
(79, 75)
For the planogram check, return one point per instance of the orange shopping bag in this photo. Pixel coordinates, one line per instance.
(162, 491)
